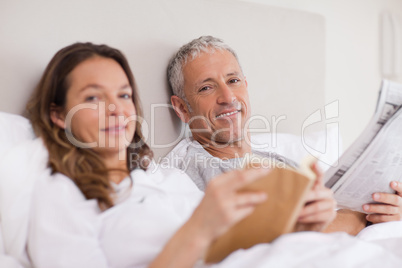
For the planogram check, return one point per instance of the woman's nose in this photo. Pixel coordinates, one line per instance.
(114, 108)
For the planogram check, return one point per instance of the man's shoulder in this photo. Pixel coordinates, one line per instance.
(183, 152)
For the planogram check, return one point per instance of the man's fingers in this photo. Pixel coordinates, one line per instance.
(323, 193)
(324, 216)
(386, 198)
(381, 209)
(397, 186)
(378, 218)
(315, 208)
(318, 173)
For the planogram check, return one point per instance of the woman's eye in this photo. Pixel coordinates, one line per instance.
(125, 96)
(91, 98)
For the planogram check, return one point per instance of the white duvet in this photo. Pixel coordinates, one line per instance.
(379, 245)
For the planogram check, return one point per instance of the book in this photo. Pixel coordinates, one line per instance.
(286, 189)
(375, 158)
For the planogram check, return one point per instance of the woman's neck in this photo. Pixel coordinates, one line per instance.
(117, 167)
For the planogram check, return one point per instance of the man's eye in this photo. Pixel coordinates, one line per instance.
(204, 88)
(234, 80)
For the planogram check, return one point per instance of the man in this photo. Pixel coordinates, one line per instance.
(210, 94)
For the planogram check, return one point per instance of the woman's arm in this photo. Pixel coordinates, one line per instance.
(63, 226)
(221, 207)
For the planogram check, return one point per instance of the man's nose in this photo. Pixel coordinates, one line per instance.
(226, 95)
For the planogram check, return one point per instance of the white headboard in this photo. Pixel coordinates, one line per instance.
(281, 51)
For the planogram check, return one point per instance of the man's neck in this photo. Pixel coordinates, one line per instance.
(226, 150)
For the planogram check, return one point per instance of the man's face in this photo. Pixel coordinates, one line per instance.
(217, 93)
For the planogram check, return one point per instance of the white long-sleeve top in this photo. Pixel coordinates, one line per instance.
(66, 230)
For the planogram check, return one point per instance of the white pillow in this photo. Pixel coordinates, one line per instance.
(19, 168)
(18, 162)
(325, 145)
(13, 130)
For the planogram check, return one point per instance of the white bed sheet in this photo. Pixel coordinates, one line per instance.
(377, 246)
(309, 249)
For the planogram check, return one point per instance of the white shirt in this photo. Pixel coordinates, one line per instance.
(66, 230)
(202, 167)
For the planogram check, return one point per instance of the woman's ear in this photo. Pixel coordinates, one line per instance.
(181, 109)
(57, 116)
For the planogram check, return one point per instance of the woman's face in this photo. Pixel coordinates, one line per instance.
(100, 113)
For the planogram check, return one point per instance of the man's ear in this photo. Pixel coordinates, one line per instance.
(57, 116)
(180, 108)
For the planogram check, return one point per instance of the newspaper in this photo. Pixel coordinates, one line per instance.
(375, 158)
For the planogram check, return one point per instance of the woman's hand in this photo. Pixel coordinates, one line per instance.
(319, 209)
(390, 208)
(222, 205)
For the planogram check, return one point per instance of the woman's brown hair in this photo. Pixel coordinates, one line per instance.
(82, 165)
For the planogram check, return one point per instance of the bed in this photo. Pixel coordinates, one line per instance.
(282, 53)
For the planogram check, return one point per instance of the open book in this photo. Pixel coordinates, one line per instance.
(286, 189)
(375, 158)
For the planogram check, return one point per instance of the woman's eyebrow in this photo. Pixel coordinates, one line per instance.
(94, 86)
(99, 87)
(125, 86)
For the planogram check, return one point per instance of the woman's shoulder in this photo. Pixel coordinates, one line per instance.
(57, 186)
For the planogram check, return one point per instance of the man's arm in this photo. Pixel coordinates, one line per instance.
(351, 222)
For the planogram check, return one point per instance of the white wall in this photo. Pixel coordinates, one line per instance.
(353, 74)
(149, 32)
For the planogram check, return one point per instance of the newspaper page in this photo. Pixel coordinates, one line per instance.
(371, 162)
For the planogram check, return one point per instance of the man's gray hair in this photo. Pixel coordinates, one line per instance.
(193, 49)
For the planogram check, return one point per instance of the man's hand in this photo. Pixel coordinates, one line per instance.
(319, 209)
(390, 208)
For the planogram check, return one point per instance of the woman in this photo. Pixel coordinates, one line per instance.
(99, 207)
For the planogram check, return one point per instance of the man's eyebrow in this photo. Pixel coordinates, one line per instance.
(232, 73)
(204, 81)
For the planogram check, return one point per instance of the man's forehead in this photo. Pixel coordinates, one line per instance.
(210, 60)
(209, 53)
